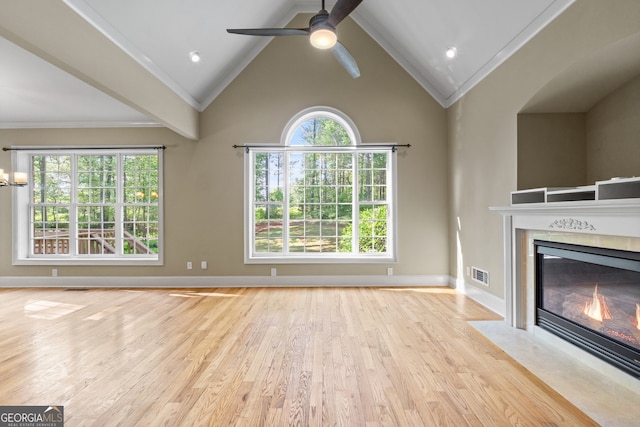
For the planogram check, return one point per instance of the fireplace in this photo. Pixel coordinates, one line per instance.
(604, 389)
(590, 296)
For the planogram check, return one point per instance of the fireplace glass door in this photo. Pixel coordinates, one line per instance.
(591, 297)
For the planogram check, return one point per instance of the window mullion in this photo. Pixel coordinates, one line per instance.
(285, 207)
(252, 213)
(30, 209)
(73, 207)
(355, 237)
(119, 208)
(390, 188)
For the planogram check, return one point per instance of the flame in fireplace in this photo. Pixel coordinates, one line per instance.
(638, 316)
(597, 309)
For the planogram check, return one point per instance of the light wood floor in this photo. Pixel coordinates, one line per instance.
(273, 357)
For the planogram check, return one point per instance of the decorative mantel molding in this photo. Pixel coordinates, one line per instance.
(571, 224)
(610, 217)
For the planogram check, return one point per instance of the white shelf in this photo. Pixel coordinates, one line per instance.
(618, 188)
(587, 192)
(613, 189)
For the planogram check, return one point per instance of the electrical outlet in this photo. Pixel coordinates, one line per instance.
(189, 265)
(468, 271)
(389, 271)
(203, 265)
(54, 272)
(274, 272)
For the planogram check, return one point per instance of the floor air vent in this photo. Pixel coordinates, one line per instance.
(480, 276)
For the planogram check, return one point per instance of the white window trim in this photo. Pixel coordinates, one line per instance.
(21, 216)
(321, 258)
(321, 111)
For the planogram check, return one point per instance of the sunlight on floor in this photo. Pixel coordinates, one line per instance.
(102, 314)
(42, 309)
(426, 290)
(205, 294)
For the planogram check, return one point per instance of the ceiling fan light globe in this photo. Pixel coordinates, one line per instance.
(323, 38)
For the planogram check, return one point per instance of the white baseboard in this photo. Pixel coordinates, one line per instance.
(479, 295)
(219, 281)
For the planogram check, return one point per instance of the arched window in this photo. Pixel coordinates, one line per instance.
(320, 195)
(320, 126)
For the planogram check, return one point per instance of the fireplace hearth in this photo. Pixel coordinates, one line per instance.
(590, 296)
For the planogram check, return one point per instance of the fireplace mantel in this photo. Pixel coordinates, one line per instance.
(605, 218)
(619, 218)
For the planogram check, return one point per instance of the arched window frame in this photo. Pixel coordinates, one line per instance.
(320, 112)
(286, 251)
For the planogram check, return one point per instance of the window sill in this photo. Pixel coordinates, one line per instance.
(88, 262)
(306, 259)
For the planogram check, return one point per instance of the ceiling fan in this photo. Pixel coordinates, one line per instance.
(321, 32)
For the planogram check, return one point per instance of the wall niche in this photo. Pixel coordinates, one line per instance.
(584, 125)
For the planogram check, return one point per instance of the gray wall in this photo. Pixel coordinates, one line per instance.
(462, 160)
(551, 150)
(483, 126)
(204, 179)
(613, 134)
(572, 149)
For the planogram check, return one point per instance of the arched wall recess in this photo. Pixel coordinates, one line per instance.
(563, 140)
(580, 86)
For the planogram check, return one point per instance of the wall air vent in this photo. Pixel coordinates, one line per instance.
(480, 276)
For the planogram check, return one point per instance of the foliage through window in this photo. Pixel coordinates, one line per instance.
(320, 195)
(91, 205)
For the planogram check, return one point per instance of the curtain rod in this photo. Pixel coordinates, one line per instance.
(124, 147)
(394, 147)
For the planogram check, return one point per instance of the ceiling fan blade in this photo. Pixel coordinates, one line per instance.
(341, 10)
(270, 31)
(346, 60)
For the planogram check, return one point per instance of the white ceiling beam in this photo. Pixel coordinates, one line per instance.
(54, 32)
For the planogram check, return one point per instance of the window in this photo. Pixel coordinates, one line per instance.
(89, 206)
(320, 196)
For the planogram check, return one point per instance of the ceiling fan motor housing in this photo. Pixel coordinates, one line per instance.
(320, 20)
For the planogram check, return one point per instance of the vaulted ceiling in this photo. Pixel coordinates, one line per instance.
(53, 68)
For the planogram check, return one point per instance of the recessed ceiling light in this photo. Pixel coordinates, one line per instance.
(451, 52)
(195, 56)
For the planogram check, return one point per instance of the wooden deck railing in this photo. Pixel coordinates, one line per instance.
(88, 241)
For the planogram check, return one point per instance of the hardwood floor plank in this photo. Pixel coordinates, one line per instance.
(265, 357)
